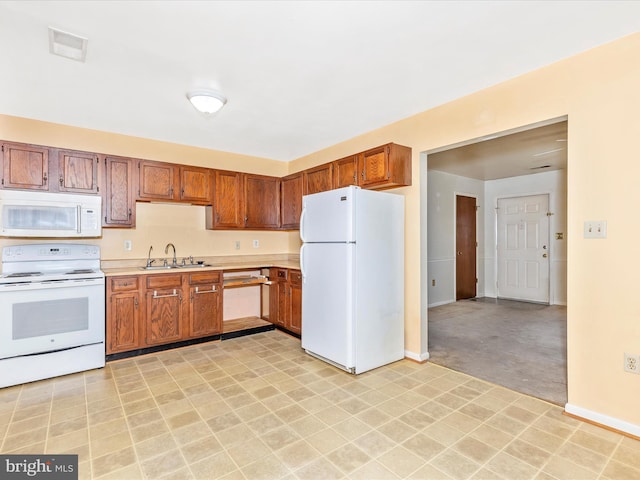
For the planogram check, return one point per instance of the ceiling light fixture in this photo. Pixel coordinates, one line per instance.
(207, 101)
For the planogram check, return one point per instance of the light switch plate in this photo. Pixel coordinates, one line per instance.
(595, 229)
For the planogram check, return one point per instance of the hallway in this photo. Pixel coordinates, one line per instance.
(521, 346)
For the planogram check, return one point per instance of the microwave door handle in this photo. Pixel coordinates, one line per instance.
(79, 221)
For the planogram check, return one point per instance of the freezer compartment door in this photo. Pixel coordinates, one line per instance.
(328, 301)
(328, 216)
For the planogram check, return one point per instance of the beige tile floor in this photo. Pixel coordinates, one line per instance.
(257, 407)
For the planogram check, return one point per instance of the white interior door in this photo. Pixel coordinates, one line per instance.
(523, 248)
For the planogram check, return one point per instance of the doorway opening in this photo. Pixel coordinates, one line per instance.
(521, 255)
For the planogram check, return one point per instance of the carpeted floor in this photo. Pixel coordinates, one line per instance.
(522, 346)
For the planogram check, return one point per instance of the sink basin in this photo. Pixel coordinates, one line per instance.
(171, 267)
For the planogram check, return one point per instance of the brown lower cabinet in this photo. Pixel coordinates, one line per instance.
(149, 310)
(285, 299)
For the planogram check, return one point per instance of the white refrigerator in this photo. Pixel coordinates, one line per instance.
(352, 262)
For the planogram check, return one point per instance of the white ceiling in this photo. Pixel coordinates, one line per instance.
(530, 150)
(299, 76)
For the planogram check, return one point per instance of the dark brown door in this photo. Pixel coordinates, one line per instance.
(465, 247)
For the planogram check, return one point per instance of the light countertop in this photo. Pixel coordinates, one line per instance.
(113, 268)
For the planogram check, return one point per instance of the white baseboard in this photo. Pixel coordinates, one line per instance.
(602, 419)
(422, 357)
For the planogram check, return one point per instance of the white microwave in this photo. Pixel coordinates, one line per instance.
(40, 214)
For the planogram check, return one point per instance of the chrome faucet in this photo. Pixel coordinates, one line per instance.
(166, 250)
(149, 260)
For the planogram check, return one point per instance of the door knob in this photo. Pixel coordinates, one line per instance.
(459, 253)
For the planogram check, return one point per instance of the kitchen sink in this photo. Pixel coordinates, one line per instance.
(171, 267)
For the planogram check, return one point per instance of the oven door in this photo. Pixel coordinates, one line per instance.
(50, 316)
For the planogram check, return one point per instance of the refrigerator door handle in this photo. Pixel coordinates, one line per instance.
(302, 224)
(302, 262)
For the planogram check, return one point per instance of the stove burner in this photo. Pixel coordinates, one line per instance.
(23, 274)
(80, 271)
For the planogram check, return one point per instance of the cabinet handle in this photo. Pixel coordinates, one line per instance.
(213, 290)
(135, 302)
(245, 220)
(174, 294)
(182, 192)
(44, 177)
(363, 174)
(61, 180)
(129, 214)
(354, 178)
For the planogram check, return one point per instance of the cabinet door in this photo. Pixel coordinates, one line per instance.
(262, 202)
(156, 180)
(282, 308)
(386, 166)
(77, 172)
(227, 201)
(344, 172)
(291, 201)
(123, 314)
(123, 322)
(294, 323)
(195, 185)
(164, 316)
(25, 166)
(205, 310)
(318, 179)
(118, 204)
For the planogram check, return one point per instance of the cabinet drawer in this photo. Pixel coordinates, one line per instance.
(295, 277)
(162, 281)
(204, 277)
(124, 284)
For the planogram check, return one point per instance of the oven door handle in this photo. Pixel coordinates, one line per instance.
(79, 218)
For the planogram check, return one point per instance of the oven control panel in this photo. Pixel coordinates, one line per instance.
(61, 251)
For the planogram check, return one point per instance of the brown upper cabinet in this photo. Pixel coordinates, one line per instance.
(384, 167)
(78, 172)
(291, 201)
(156, 180)
(261, 202)
(25, 166)
(195, 185)
(227, 211)
(344, 171)
(173, 182)
(318, 179)
(118, 205)
(243, 200)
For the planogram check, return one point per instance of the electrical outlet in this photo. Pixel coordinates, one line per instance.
(631, 363)
(127, 245)
(237, 244)
(256, 243)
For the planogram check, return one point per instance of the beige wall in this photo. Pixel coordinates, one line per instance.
(600, 92)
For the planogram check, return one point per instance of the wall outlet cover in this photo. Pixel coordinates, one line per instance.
(631, 363)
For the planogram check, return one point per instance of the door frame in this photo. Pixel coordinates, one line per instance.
(456, 194)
